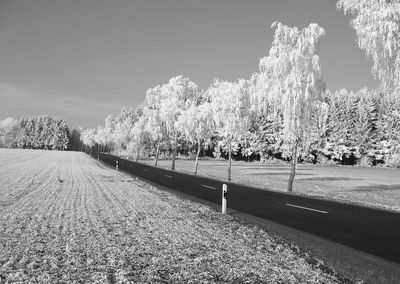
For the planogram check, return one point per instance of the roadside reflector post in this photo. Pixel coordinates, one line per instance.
(224, 195)
(116, 165)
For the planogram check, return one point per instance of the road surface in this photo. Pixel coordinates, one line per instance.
(370, 230)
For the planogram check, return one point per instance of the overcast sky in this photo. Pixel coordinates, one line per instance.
(83, 59)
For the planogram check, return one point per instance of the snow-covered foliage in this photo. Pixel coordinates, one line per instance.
(197, 125)
(88, 136)
(41, 132)
(230, 104)
(283, 110)
(175, 97)
(294, 62)
(377, 25)
(8, 132)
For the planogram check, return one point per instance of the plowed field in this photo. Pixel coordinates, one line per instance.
(65, 218)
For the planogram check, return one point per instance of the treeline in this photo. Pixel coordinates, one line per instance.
(40, 132)
(284, 111)
(361, 127)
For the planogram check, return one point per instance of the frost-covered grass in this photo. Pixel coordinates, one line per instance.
(376, 187)
(66, 218)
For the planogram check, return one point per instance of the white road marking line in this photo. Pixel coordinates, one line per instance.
(168, 176)
(306, 208)
(145, 170)
(203, 185)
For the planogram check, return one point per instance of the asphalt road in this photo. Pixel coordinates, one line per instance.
(370, 230)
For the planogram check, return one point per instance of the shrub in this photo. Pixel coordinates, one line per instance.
(322, 159)
(364, 161)
(392, 160)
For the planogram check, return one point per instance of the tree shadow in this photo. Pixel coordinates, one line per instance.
(378, 187)
(328, 178)
(278, 174)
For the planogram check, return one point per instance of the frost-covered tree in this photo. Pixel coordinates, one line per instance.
(124, 122)
(8, 132)
(88, 138)
(100, 138)
(137, 135)
(265, 115)
(377, 25)
(109, 132)
(230, 105)
(155, 127)
(197, 125)
(43, 132)
(293, 63)
(176, 96)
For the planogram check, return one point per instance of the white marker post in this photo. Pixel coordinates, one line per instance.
(116, 165)
(224, 195)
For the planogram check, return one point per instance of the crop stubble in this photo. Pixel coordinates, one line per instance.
(66, 218)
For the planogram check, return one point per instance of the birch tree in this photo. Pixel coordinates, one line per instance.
(294, 60)
(377, 25)
(87, 138)
(123, 125)
(198, 126)
(138, 133)
(155, 127)
(109, 132)
(177, 96)
(230, 107)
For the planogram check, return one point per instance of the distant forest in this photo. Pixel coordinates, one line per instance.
(39, 132)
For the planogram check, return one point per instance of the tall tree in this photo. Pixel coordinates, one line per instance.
(198, 126)
(294, 60)
(230, 107)
(177, 95)
(75, 140)
(87, 137)
(138, 133)
(155, 126)
(8, 132)
(123, 125)
(377, 25)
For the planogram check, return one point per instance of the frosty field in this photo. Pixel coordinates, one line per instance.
(66, 218)
(375, 187)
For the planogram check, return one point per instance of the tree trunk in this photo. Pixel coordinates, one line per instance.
(197, 156)
(174, 153)
(293, 169)
(230, 162)
(157, 152)
(261, 153)
(138, 153)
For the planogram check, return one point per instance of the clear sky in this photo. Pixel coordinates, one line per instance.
(83, 59)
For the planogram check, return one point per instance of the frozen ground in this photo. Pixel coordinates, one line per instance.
(66, 218)
(375, 187)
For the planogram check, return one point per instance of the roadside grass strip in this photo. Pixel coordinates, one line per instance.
(103, 226)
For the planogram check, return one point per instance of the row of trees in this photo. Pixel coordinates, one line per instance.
(277, 101)
(283, 110)
(40, 132)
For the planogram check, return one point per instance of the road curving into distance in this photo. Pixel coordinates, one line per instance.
(370, 230)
